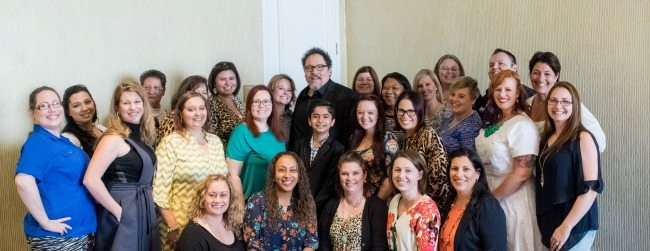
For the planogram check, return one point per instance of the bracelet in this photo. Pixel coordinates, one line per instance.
(173, 229)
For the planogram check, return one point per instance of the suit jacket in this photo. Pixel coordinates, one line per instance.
(483, 227)
(373, 225)
(322, 171)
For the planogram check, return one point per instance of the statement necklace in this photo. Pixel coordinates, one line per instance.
(491, 129)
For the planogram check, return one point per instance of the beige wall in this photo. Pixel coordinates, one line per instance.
(604, 47)
(97, 43)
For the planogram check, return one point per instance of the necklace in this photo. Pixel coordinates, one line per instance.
(491, 129)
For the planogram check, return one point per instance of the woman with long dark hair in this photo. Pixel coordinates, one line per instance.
(475, 220)
(283, 216)
(569, 177)
(81, 118)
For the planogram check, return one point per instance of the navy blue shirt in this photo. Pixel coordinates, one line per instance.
(58, 166)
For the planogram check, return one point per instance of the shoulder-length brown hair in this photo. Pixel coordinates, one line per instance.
(274, 123)
(373, 75)
(574, 124)
(436, 68)
(352, 157)
(419, 163)
(234, 215)
(179, 126)
(305, 207)
(118, 127)
(492, 113)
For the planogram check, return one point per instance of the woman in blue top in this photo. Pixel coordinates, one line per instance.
(462, 128)
(568, 177)
(61, 213)
(254, 143)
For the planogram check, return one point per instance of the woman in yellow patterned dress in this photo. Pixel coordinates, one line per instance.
(185, 157)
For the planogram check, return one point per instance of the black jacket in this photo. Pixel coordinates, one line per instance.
(322, 171)
(373, 225)
(482, 228)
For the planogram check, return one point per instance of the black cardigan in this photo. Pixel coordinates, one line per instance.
(373, 225)
(483, 227)
(322, 171)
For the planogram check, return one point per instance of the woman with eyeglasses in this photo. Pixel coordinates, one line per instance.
(507, 144)
(226, 109)
(81, 118)
(194, 83)
(544, 70)
(424, 140)
(253, 144)
(448, 69)
(413, 217)
(60, 211)
(121, 171)
(569, 176)
(282, 87)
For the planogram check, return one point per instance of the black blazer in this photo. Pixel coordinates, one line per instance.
(373, 225)
(482, 228)
(322, 171)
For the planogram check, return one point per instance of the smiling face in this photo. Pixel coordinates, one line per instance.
(225, 83)
(543, 78)
(262, 106)
(352, 177)
(317, 78)
(194, 113)
(560, 113)
(321, 120)
(81, 108)
(155, 90)
(448, 72)
(217, 198)
(364, 84)
(283, 92)
(427, 88)
(367, 114)
(505, 95)
(460, 101)
(500, 62)
(463, 175)
(405, 175)
(391, 90)
(286, 173)
(130, 107)
(406, 115)
(48, 112)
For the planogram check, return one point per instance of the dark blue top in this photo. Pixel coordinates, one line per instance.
(563, 183)
(58, 166)
(461, 135)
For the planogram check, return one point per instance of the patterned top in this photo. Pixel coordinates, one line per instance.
(286, 235)
(166, 127)
(427, 142)
(346, 233)
(415, 229)
(285, 122)
(437, 119)
(461, 135)
(158, 115)
(390, 127)
(222, 119)
(448, 233)
(182, 165)
(391, 146)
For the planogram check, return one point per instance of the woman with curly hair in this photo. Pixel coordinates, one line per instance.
(215, 218)
(283, 216)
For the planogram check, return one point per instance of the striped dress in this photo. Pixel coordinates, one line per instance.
(182, 165)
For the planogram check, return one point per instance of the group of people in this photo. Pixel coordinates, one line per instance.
(384, 165)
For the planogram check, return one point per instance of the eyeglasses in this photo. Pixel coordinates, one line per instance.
(563, 102)
(47, 106)
(409, 112)
(265, 102)
(311, 68)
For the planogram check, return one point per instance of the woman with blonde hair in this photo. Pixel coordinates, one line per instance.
(282, 89)
(216, 218)
(185, 158)
(120, 174)
(428, 86)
